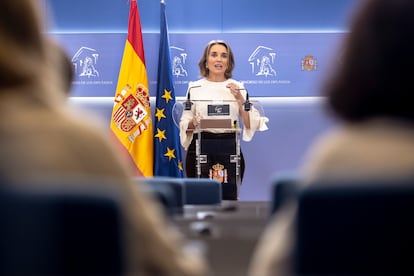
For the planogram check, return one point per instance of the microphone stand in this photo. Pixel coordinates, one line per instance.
(188, 103)
(247, 105)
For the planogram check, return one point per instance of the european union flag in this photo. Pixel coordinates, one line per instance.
(167, 147)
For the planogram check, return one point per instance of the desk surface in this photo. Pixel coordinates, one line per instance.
(228, 233)
(229, 208)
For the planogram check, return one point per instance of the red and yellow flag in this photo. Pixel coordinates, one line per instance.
(131, 121)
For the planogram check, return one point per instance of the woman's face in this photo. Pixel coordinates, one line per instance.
(217, 60)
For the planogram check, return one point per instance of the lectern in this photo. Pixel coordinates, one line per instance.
(218, 154)
(213, 146)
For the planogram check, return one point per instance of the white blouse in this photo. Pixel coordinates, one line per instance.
(213, 100)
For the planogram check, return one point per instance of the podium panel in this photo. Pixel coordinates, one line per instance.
(210, 132)
(219, 159)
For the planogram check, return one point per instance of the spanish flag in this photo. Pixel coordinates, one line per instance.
(131, 122)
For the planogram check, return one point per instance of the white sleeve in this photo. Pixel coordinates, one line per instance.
(186, 117)
(257, 123)
(185, 137)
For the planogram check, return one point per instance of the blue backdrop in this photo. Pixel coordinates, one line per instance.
(287, 65)
(282, 48)
(200, 16)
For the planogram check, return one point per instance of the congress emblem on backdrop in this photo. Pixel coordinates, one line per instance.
(309, 63)
(262, 61)
(85, 60)
(178, 62)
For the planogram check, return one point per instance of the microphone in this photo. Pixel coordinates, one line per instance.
(188, 103)
(247, 105)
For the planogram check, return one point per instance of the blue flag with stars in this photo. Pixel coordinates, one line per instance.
(167, 147)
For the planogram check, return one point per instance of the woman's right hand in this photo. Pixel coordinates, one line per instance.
(194, 122)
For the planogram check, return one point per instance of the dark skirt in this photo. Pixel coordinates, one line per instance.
(190, 161)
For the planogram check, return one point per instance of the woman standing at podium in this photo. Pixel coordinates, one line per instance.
(217, 96)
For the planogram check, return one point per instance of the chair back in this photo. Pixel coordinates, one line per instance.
(60, 232)
(202, 191)
(168, 190)
(284, 187)
(355, 228)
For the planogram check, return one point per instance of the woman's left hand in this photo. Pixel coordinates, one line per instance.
(235, 90)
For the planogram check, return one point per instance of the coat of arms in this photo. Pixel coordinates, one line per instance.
(218, 172)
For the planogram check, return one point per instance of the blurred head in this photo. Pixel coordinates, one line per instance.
(61, 62)
(26, 60)
(375, 76)
(22, 49)
(217, 52)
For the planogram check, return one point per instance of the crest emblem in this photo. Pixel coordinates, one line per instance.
(132, 110)
(218, 172)
(309, 63)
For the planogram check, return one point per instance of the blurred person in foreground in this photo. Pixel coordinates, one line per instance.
(369, 94)
(40, 137)
(63, 64)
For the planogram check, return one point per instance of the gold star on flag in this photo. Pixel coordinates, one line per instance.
(180, 165)
(160, 114)
(167, 95)
(170, 153)
(160, 134)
